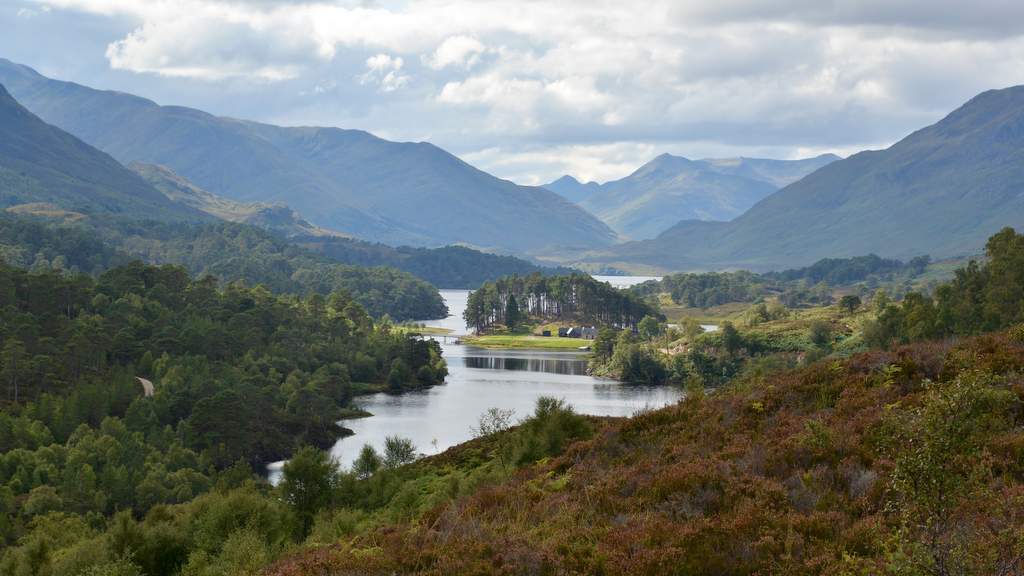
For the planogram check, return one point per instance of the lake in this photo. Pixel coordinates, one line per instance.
(442, 416)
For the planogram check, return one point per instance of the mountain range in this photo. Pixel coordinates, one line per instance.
(275, 217)
(346, 180)
(942, 190)
(45, 166)
(672, 188)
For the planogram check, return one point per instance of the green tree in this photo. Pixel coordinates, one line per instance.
(820, 334)
(14, 365)
(512, 313)
(732, 341)
(308, 482)
(650, 328)
(398, 451)
(367, 463)
(850, 303)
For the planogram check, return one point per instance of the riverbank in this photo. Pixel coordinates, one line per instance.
(526, 341)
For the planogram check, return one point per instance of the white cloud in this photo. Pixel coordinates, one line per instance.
(384, 71)
(458, 51)
(579, 78)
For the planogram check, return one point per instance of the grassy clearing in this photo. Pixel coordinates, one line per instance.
(715, 315)
(525, 341)
(432, 331)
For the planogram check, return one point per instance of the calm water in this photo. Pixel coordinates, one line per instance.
(440, 417)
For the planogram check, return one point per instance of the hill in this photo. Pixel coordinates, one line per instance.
(572, 189)
(940, 191)
(672, 188)
(348, 180)
(445, 267)
(275, 217)
(42, 164)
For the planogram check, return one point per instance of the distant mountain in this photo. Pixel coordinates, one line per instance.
(445, 267)
(349, 180)
(942, 190)
(572, 189)
(44, 168)
(275, 217)
(672, 188)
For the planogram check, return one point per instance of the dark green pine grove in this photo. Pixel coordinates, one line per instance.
(242, 377)
(225, 250)
(576, 297)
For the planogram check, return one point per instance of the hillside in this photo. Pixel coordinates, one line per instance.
(276, 217)
(672, 188)
(885, 463)
(347, 180)
(940, 191)
(41, 164)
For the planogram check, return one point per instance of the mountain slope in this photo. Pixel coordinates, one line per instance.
(940, 191)
(276, 217)
(346, 180)
(572, 189)
(43, 164)
(672, 188)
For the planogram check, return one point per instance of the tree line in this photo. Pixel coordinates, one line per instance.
(242, 377)
(227, 251)
(575, 297)
(811, 285)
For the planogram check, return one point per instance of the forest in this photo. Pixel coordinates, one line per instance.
(576, 298)
(230, 252)
(448, 267)
(242, 377)
(982, 297)
(811, 285)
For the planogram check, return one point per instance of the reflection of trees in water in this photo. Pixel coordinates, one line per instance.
(549, 365)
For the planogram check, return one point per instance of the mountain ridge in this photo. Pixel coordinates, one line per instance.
(41, 164)
(348, 180)
(670, 188)
(941, 190)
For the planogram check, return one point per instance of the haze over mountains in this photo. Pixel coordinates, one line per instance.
(347, 180)
(672, 188)
(42, 164)
(942, 191)
(277, 217)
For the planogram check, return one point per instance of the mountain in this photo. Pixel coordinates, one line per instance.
(572, 189)
(672, 188)
(350, 180)
(445, 267)
(942, 190)
(44, 167)
(275, 217)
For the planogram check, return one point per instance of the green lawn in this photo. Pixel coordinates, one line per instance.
(525, 341)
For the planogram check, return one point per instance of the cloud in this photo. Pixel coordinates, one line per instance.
(384, 71)
(459, 51)
(585, 78)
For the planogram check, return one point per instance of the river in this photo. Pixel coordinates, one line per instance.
(442, 416)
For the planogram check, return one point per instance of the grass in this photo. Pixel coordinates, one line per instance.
(714, 315)
(525, 341)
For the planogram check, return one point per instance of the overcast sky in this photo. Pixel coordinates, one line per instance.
(532, 90)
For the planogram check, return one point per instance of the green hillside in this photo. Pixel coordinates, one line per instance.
(43, 164)
(940, 191)
(672, 188)
(346, 180)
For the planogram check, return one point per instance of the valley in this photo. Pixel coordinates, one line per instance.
(357, 288)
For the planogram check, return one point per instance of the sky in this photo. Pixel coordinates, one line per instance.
(531, 90)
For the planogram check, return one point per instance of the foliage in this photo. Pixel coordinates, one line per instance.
(228, 251)
(835, 468)
(577, 297)
(981, 297)
(241, 378)
(446, 267)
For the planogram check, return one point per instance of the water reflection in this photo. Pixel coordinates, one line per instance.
(548, 365)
